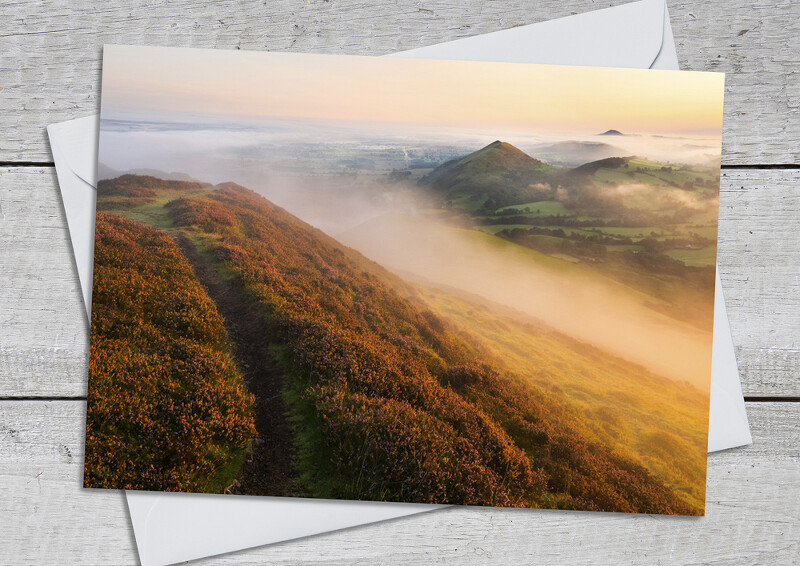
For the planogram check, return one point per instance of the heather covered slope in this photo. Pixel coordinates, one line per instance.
(392, 402)
(167, 408)
(394, 393)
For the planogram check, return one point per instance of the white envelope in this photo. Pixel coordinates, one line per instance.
(174, 527)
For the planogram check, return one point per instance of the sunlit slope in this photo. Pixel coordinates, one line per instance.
(167, 408)
(658, 421)
(570, 297)
(634, 169)
(391, 401)
(142, 197)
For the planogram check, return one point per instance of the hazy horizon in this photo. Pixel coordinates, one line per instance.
(321, 136)
(219, 150)
(148, 81)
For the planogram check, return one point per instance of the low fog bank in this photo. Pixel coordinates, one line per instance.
(399, 226)
(568, 297)
(573, 151)
(337, 204)
(346, 190)
(245, 154)
(640, 196)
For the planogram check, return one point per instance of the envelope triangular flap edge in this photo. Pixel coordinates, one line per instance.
(631, 35)
(279, 519)
(75, 157)
(81, 152)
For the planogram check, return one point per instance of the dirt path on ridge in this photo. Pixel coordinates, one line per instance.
(269, 471)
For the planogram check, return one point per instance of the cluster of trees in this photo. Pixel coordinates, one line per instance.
(167, 408)
(650, 258)
(558, 242)
(615, 217)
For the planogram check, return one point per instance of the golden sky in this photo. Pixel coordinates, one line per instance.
(148, 81)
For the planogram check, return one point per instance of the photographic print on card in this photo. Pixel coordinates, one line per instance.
(403, 280)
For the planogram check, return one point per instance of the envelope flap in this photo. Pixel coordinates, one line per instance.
(630, 35)
(78, 149)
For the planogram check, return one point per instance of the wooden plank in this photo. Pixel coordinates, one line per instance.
(752, 515)
(759, 259)
(45, 516)
(45, 337)
(50, 52)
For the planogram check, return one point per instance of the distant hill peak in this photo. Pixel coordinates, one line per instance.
(498, 173)
(500, 154)
(612, 133)
(497, 144)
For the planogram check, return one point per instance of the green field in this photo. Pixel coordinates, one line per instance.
(653, 173)
(698, 258)
(621, 177)
(469, 203)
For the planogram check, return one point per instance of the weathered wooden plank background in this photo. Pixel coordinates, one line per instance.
(752, 511)
(49, 71)
(53, 50)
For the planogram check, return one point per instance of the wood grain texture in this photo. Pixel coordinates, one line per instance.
(50, 51)
(45, 336)
(752, 515)
(759, 262)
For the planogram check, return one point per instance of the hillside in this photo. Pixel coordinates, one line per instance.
(607, 163)
(649, 225)
(167, 408)
(499, 173)
(104, 173)
(130, 185)
(390, 401)
(572, 297)
(352, 342)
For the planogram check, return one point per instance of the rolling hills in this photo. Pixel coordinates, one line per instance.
(573, 153)
(649, 225)
(390, 400)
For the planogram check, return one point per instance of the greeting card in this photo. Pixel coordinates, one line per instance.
(403, 280)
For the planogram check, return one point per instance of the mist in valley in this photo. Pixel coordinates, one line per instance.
(563, 295)
(346, 188)
(404, 229)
